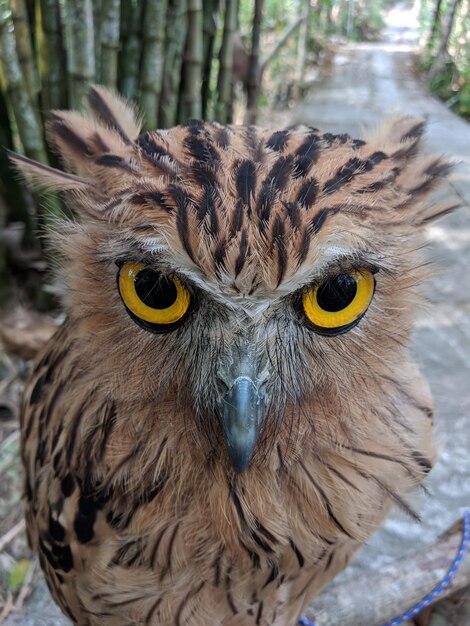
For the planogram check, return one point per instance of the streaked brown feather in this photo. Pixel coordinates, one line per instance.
(130, 499)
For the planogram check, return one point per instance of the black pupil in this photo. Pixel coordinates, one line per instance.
(335, 294)
(154, 289)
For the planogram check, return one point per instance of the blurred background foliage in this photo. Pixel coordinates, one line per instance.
(445, 40)
(177, 59)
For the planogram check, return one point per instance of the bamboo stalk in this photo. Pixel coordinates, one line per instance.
(24, 47)
(52, 56)
(109, 39)
(395, 589)
(131, 13)
(192, 68)
(176, 27)
(209, 29)
(12, 192)
(152, 60)
(254, 73)
(80, 49)
(225, 78)
(97, 7)
(29, 127)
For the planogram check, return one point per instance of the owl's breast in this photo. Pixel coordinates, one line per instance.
(135, 524)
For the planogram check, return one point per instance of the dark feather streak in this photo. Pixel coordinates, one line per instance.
(306, 155)
(185, 601)
(74, 142)
(113, 160)
(346, 173)
(246, 181)
(278, 140)
(297, 552)
(101, 109)
(182, 201)
(308, 193)
(278, 233)
(241, 258)
(326, 502)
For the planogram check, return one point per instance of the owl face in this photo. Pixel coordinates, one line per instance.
(261, 283)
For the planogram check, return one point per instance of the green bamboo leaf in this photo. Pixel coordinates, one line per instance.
(18, 575)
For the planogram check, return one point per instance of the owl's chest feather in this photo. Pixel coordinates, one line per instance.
(132, 526)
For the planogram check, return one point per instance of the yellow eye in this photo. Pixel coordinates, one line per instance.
(335, 306)
(155, 301)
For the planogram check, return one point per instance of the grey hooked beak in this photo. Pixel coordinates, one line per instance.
(243, 408)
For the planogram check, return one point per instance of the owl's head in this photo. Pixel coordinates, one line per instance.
(254, 286)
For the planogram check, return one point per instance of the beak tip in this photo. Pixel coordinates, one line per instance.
(239, 460)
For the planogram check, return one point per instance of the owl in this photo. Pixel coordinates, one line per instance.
(230, 408)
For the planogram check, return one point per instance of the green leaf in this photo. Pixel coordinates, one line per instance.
(18, 575)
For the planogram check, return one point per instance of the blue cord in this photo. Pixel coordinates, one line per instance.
(438, 589)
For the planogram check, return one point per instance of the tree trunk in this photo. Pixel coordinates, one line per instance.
(441, 55)
(223, 111)
(109, 41)
(192, 67)
(436, 21)
(152, 61)
(254, 73)
(80, 49)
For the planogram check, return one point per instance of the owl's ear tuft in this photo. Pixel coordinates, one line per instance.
(426, 175)
(109, 127)
(418, 180)
(41, 175)
(399, 136)
(417, 175)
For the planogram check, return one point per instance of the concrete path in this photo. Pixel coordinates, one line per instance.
(368, 81)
